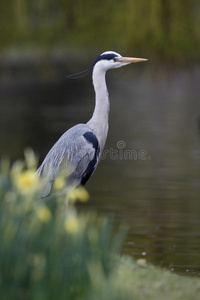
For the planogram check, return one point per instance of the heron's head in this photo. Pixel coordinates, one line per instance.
(106, 61)
(112, 60)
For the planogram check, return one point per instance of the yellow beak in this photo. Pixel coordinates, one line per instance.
(132, 59)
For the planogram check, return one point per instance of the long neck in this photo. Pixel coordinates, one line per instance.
(99, 121)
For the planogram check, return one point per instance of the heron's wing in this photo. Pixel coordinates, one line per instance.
(87, 162)
(74, 156)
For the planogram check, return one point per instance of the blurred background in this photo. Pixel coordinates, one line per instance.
(155, 109)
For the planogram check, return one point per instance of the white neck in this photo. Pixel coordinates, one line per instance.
(99, 121)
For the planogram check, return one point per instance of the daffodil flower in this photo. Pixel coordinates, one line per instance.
(71, 224)
(44, 214)
(26, 182)
(78, 194)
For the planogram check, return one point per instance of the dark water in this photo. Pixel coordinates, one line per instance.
(149, 177)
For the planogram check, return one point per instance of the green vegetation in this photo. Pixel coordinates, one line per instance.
(48, 252)
(161, 28)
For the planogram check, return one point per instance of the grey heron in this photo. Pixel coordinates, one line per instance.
(76, 154)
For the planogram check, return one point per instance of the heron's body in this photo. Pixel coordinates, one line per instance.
(76, 154)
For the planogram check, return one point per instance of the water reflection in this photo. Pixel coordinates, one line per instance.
(157, 194)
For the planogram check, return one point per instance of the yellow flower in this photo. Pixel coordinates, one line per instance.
(26, 182)
(141, 262)
(44, 214)
(72, 224)
(78, 194)
(59, 183)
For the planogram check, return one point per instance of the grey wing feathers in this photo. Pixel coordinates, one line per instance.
(69, 157)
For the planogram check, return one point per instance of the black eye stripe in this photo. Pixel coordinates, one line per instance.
(108, 56)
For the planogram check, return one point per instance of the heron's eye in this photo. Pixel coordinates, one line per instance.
(115, 59)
